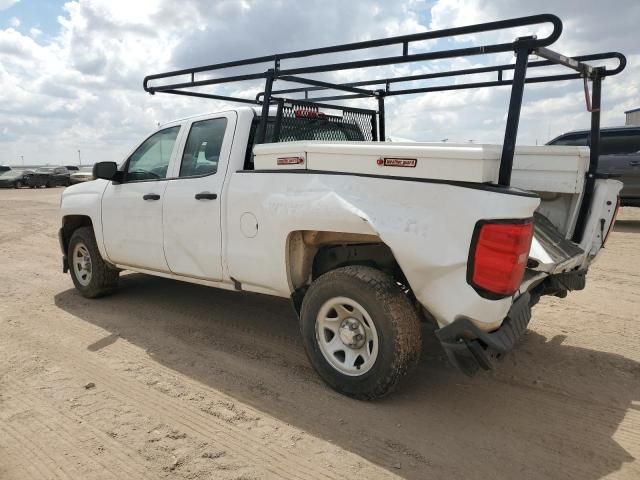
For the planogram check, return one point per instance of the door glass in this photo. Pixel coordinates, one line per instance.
(619, 142)
(578, 139)
(202, 151)
(151, 160)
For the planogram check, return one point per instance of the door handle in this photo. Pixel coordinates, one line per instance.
(151, 196)
(206, 196)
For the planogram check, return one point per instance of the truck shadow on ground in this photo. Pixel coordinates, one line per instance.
(550, 411)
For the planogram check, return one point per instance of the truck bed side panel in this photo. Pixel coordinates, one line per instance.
(428, 226)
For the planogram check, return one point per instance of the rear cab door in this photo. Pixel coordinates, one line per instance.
(192, 204)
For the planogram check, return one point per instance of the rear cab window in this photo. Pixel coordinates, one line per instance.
(202, 150)
(327, 128)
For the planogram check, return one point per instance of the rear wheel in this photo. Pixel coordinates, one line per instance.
(89, 272)
(360, 331)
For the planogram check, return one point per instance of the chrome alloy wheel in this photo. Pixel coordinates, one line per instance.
(347, 336)
(81, 262)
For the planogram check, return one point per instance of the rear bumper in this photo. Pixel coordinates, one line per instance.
(470, 348)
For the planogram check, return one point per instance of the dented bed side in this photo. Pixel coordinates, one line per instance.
(413, 218)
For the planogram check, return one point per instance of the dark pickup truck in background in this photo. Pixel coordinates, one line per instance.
(619, 157)
(49, 177)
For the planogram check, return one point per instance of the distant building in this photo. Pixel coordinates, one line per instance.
(633, 117)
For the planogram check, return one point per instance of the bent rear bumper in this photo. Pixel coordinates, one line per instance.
(470, 348)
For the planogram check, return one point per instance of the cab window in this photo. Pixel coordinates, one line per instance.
(151, 160)
(627, 141)
(202, 150)
(575, 139)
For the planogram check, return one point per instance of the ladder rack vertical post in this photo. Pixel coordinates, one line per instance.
(266, 101)
(381, 119)
(594, 156)
(513, 117)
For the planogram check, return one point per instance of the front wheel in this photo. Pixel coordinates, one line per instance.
(91, 276)
(360, 331)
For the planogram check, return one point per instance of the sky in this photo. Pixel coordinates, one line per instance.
(71, 72)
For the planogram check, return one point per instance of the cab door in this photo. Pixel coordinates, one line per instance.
(192, 220)
(132, 209)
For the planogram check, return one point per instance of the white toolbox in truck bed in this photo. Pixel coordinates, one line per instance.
(538, 168)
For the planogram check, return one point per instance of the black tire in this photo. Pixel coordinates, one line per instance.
(48, 185)
(103, 279)
(18, 184)
(395, 319)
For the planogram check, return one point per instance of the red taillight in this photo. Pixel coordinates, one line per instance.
(613, 221)
(499, 256)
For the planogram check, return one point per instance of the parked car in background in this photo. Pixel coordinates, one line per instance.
(49, 177)
(84, 174)
(4, 168)
(619, 157)
(72, 168)
(14, 178)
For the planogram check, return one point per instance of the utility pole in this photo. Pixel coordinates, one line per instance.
(79, 159)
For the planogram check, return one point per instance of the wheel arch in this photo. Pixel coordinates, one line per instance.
(70, 223)
(311, 253)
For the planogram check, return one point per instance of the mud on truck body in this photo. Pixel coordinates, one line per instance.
(298, 195)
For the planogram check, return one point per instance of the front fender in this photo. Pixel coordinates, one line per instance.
(85, 199)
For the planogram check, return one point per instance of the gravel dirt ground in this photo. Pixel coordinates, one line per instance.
(171, 380)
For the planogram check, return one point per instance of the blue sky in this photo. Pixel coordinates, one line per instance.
(71, 72)
(34, 14)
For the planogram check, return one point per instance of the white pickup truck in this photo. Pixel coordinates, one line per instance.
(367, 238)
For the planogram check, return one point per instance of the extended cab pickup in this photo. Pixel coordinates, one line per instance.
(367, 238)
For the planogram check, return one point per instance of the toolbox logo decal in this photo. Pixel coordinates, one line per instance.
(398, 162)
(290, 161)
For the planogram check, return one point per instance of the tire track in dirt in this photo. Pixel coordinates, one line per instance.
(44, 464)
(277, 460)
(14, 461)
(127, 354)
(76, 434)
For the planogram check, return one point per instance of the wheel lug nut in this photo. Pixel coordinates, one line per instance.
(353, 326)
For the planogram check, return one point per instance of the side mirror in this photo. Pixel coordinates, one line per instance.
(105, 170)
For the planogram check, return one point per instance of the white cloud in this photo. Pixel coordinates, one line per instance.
(82, 86)
(14, 22)
(4, 4)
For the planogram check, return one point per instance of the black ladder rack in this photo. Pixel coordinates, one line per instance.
(182, 82)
